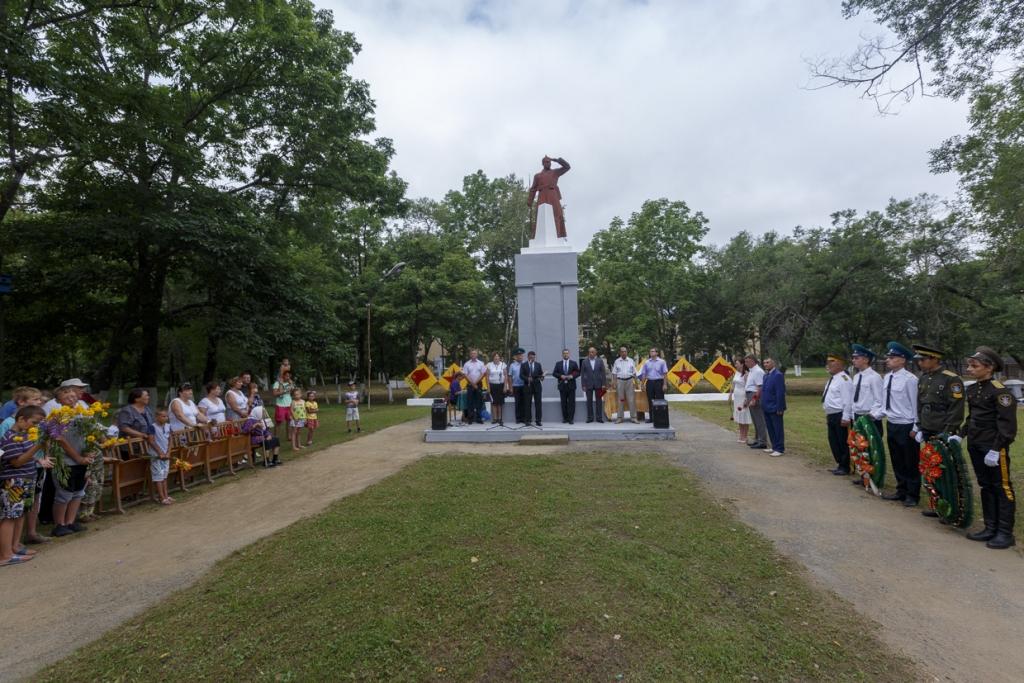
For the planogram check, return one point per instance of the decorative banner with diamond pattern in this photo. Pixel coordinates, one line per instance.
(719, 373)
(449, 374)
(420, 380)
(683, 376)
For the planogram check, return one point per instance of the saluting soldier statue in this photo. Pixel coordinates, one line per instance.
(990, 428)
(940, 399)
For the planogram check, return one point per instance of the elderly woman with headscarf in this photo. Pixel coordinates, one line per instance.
(261, 437)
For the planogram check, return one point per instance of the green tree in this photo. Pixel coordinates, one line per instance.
(638, 278)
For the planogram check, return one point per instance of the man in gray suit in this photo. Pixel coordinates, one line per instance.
(593, 374)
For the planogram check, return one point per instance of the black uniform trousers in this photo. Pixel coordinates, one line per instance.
(993, 480)
(533, 391)
(519, 396)
(905, 455)
(837, 436)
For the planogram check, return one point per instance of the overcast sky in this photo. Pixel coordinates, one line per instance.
(692, 100)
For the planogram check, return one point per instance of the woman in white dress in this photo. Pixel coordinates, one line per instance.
(740, 415)
(184, 412)
(497, 377)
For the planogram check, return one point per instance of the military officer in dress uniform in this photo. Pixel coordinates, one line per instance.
(867, 391)
(940, 399)
(899, 404)
(837, 401)
(990, 428)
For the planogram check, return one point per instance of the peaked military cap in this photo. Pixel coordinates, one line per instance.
(859, 350)
(926, 352)
(519, 349)
(897, 349)
(988, 356)
(833, 358)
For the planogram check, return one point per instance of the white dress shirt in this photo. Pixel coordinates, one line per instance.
(474, 369)
(838, 396)
(755, 378)
(867, 394)
(899, 397)
(624, 368)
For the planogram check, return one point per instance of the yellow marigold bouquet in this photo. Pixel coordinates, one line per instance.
(85, 422)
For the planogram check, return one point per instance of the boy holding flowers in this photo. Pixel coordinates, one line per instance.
(20, 446)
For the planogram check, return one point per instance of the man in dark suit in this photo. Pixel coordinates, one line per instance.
(566, 371)
(773, 400)
(593, 374)
(532, 374)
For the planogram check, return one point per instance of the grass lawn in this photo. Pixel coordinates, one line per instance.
(806, 437)
(580, 567)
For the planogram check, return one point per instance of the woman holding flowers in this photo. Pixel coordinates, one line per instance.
(70, 466)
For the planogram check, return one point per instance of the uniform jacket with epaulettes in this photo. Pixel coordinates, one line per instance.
(940, 402)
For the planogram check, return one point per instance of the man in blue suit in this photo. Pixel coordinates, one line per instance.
(773, 400)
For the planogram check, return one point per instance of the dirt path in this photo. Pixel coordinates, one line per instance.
(937, 596)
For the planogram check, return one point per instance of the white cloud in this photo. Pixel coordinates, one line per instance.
(698, 100)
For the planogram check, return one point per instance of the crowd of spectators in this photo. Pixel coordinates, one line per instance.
(31, 492)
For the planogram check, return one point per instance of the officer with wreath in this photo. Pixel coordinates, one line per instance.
(990, 428)
(940, 399)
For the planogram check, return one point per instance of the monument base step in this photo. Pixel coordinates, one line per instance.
(580, 431)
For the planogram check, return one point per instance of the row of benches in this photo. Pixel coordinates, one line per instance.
(212, 451)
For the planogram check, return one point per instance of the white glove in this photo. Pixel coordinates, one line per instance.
(919, 437)
(959, 439)
(992, 458)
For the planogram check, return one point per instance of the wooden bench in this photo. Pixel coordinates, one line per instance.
(189, 446)
(129, 477)
(238, 446)
(217, 455)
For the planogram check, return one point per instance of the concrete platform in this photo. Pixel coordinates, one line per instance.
(580, 431)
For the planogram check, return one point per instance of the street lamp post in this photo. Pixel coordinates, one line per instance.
(395, 270)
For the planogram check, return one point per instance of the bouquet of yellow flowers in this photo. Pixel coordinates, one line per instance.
(60, 421)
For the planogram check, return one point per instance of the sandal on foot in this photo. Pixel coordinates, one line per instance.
(17, 559)
(167, 501)
(34, 540)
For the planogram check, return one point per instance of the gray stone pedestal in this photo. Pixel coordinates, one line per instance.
(546, 284)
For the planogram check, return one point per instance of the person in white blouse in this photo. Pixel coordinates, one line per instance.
(237, 408)
(212, 407)
(837, 401)
(497, 385)
(755, 382)
(624, 371)
(184, 412)
(899, 407)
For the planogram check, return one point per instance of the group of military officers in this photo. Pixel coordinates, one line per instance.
(917, 409)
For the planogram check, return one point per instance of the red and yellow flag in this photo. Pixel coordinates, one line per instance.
(449, 374)
(720, 373)
(420, 380)
(683, 376)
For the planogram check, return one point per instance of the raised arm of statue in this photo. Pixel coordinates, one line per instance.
(564, 166)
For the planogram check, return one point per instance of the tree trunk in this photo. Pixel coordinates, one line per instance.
(114, 353)
(210, 371)
(151, 313)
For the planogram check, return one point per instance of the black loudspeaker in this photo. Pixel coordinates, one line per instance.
(659, 413)
(439, 414)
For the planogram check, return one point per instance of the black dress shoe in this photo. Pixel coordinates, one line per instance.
(908, 503)
(648, 421)
(894, 496)
(857, 482)
(601, 421)
(929, 513)
(834, 470)
(841, 472)
(539, 424)
(589, 421)
(757, 444)
(571, 422)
